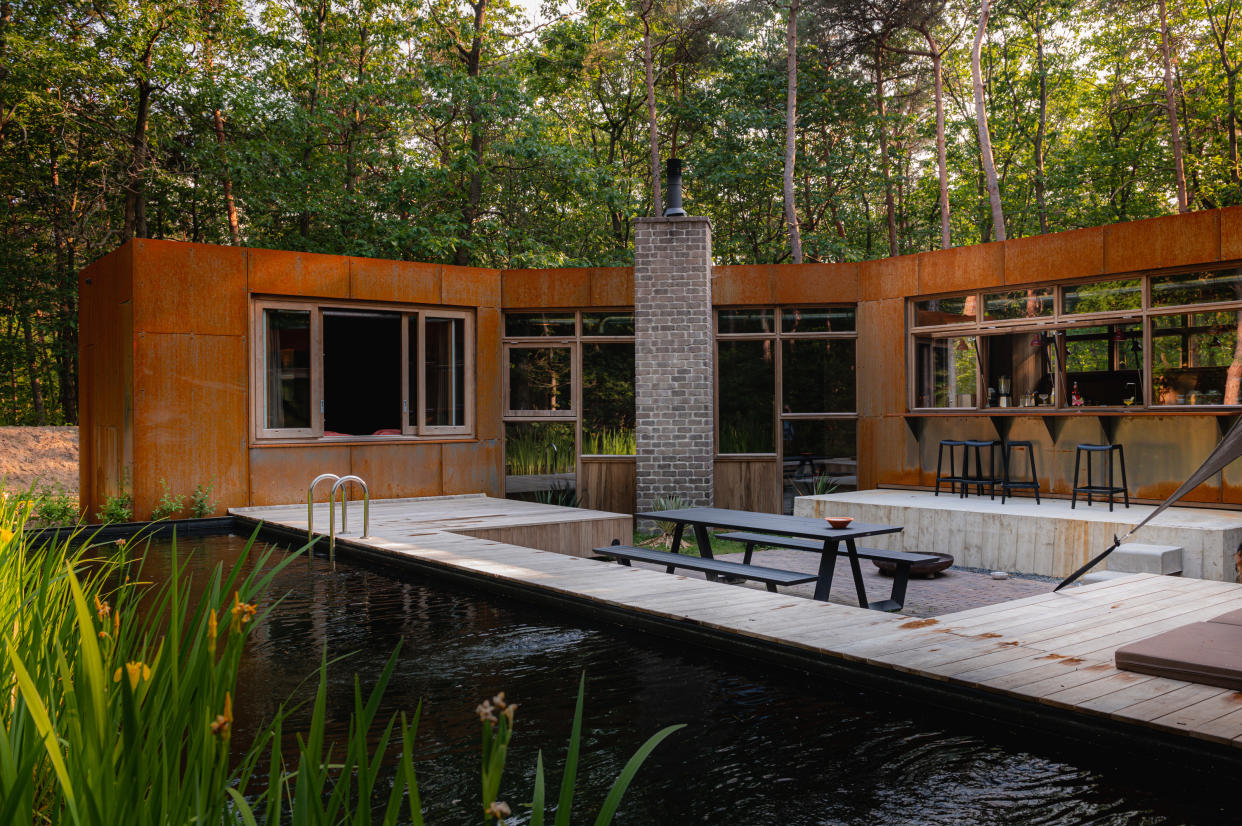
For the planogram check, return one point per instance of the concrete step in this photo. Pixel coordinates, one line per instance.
(1102, 576)
(1136, 558)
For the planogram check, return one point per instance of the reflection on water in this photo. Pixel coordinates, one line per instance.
(762, 746)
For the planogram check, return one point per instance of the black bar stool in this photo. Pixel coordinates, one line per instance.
(952, 478)
(980, 478)
(1007, 483)
(1110, 489)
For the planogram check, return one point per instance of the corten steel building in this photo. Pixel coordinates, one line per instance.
(255, 370)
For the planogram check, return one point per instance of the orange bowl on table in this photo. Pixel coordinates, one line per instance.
(839, 522)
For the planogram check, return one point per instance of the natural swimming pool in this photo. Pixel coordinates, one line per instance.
(762, 745)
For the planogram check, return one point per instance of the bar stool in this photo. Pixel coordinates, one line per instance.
(952, 478)
(1008, 484)
(1110, 489)
(980, 479)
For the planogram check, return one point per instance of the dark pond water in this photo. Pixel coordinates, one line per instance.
(762, 745)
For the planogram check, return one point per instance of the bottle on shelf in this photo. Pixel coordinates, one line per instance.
(1075, 396)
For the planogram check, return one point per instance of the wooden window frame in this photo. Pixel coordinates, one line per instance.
(1058, 323)
(258, 371)
(418, 432)
(575, 389)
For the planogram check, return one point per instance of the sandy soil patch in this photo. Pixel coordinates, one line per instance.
(43, 456)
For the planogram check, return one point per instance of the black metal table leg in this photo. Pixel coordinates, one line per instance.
(827, 567)
(704, 541)
(676, 545)
(856, 568)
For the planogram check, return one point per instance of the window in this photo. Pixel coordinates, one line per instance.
(786, 387)
(1148, 340)
(569, 390)
(340, 370)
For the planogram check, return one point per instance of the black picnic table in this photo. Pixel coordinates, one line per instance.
(805, 527)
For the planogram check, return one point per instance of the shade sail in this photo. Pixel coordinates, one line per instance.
(1230, 448)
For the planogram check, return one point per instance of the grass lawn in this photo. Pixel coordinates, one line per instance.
(688, 546)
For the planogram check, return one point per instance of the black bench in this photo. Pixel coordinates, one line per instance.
(901, 559)
(712, 567)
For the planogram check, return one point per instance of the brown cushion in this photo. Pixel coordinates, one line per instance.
(1202, 652)
(1232, 618)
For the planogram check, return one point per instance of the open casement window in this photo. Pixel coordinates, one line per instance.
(354, 371)
(541, 380)
(289, 389)
(438, 373)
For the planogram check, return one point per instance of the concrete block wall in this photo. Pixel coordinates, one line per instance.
(673, 359)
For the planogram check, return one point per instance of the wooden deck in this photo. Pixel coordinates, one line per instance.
(1052, 652)
(572, 531)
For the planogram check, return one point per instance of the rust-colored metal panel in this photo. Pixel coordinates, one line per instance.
(374, 279)
(962, 268)
(398, 470)
(612, 287)
(280, 475)
(537, 289)
(880, 357)
(472, 467)
(1168, 241)
(189, 418)
(1231, 233)
(1040, 258)
(469, 287)
(182, 288)
(887, 453)
(304, 274)
(742, 284)
(608, 484)
(814, 283)
(489, 367)
(749, 485)
(888, 278)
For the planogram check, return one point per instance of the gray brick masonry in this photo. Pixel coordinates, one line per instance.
(673, 359)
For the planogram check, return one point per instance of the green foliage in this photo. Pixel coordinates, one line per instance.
(561, 493)
(533, 448)
(201, 503)
(168, 506)
(119, 508)
(610, 442)
(55, 506)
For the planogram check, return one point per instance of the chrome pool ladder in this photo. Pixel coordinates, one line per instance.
(337, 483)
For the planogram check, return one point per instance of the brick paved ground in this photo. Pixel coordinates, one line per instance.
(950, 591)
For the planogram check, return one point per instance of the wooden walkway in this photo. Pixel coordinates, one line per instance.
(1051, 649)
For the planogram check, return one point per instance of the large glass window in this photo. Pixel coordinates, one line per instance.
(287, 385)
(608, 398)
(1195, 358)
(540, 380)
(1112, 343)
(747, 393)
(341, 370)
(817, 375)
(532, 325)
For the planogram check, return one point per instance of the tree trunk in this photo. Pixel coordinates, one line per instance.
(653, 137)
(1170, 102)
(135, 186)
(321, 16)
(942, 164)
(1041, 129)
(1231, 87)
(981, 117)
(889, 206)
(791, 124)
(32, 373)
(474, 193)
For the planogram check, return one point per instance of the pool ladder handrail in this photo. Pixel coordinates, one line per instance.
(366, 511)
(310, 505)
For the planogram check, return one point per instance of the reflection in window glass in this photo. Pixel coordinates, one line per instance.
(1021, 369)
(747, 391)
(608, 399)
(539, 324)
(818, 320)
(540, 378)
(947, 371)
(1196, 288)
(539, 462)
(954, 310)
(445, 372)
(1104, 296)
(616, 323)
(819, 457)
(1032, 303)
(1193, 356)
(817, 375)
(745, 321)
(288, 385)
(1104, 365)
